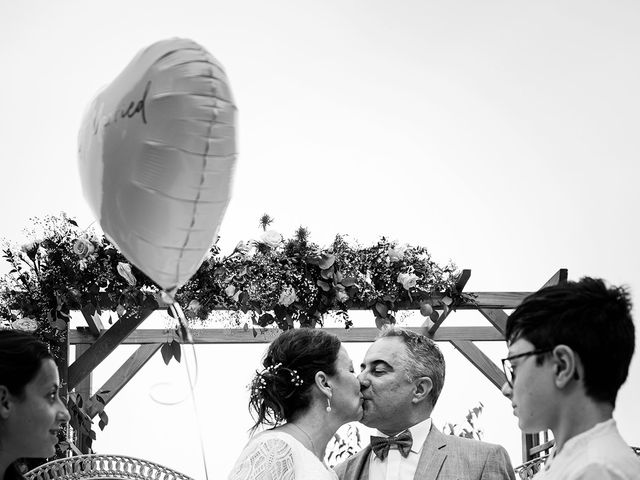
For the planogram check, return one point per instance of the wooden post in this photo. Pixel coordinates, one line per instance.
(83, 443)
(531, 441)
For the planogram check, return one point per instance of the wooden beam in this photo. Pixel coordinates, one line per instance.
(238, 335)
(558, 278)
(119, 379)
(93, 319)
(529, 440)
(497, 317)
(504, 300)
(434, 328)
(462, 279)
(103, 346)
(481, 361)
(83, 387)
(543, 447)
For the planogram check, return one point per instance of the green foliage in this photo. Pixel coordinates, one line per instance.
(468, 429)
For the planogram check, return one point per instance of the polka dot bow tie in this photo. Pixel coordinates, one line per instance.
(402, 441)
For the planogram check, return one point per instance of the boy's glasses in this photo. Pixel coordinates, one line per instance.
(507, 366)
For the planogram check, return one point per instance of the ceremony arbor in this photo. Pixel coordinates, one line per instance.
(95, 343)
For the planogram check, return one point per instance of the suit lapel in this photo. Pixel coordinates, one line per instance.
(433, 455)
(358, 468)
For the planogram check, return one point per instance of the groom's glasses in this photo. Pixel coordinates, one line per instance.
(507, 366)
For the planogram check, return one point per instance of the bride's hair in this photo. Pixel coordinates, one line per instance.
(283, 389)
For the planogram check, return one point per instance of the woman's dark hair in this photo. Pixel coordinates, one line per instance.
(21, 356)
(283, 389)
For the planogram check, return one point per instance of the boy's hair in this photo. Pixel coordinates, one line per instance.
(591, 318)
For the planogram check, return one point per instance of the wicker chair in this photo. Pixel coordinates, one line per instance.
(103, 467)
(526, 471)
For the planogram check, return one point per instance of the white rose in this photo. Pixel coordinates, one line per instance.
(83, 247)
(25, 324)
(230, 291)
(396, 254)
(124, 269)
(271, 238)
(194, 306)
(341, 294)
(288, 296)
(408, 280)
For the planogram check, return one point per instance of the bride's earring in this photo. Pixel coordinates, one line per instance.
(328, 405)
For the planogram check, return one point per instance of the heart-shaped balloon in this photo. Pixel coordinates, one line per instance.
(157, 151)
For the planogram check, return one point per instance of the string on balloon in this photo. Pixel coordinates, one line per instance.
(187, 337)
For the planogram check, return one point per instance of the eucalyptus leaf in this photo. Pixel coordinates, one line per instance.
(176, 350)
(326, 260)
(166, 352)
(382, 309)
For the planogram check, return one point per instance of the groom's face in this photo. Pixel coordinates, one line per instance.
(385, 386)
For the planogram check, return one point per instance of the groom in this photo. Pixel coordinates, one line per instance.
(401, 379)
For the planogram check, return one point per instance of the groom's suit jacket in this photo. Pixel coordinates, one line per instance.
(443, 457)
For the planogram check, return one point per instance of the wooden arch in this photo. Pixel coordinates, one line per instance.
(94, 344)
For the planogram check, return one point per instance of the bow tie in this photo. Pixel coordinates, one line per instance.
(381, 445)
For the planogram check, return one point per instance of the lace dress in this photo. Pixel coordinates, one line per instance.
(279, 456)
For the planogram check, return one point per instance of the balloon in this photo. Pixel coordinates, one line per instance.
(157, 151)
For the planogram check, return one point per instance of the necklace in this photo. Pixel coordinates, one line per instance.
(313, 447)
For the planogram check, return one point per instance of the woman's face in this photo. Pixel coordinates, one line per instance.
(35, 419)
(346, 400)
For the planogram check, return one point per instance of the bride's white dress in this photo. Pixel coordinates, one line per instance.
(279, 456)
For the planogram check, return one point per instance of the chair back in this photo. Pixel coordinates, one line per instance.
(103, 467)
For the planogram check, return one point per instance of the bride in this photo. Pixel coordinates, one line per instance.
(306, 391)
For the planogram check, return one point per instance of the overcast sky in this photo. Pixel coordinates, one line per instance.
(502, 135)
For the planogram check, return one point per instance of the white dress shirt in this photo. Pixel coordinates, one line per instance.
(600, 453)
(395, 466)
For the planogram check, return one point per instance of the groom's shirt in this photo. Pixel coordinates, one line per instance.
(395, 466)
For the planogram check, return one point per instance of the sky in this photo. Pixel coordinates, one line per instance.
(499, 134)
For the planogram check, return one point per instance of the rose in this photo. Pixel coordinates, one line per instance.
(408, 280)
(83, 247)
(341, 293)
(124, 269)
(230, 291)
(194, 306)
(271, 238)
(287, 296)
(25, 324)
(396, 254)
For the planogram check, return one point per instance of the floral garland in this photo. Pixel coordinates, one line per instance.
(280, 281)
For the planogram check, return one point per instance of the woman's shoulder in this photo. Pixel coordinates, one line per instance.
(273, 440)
(267, 455)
